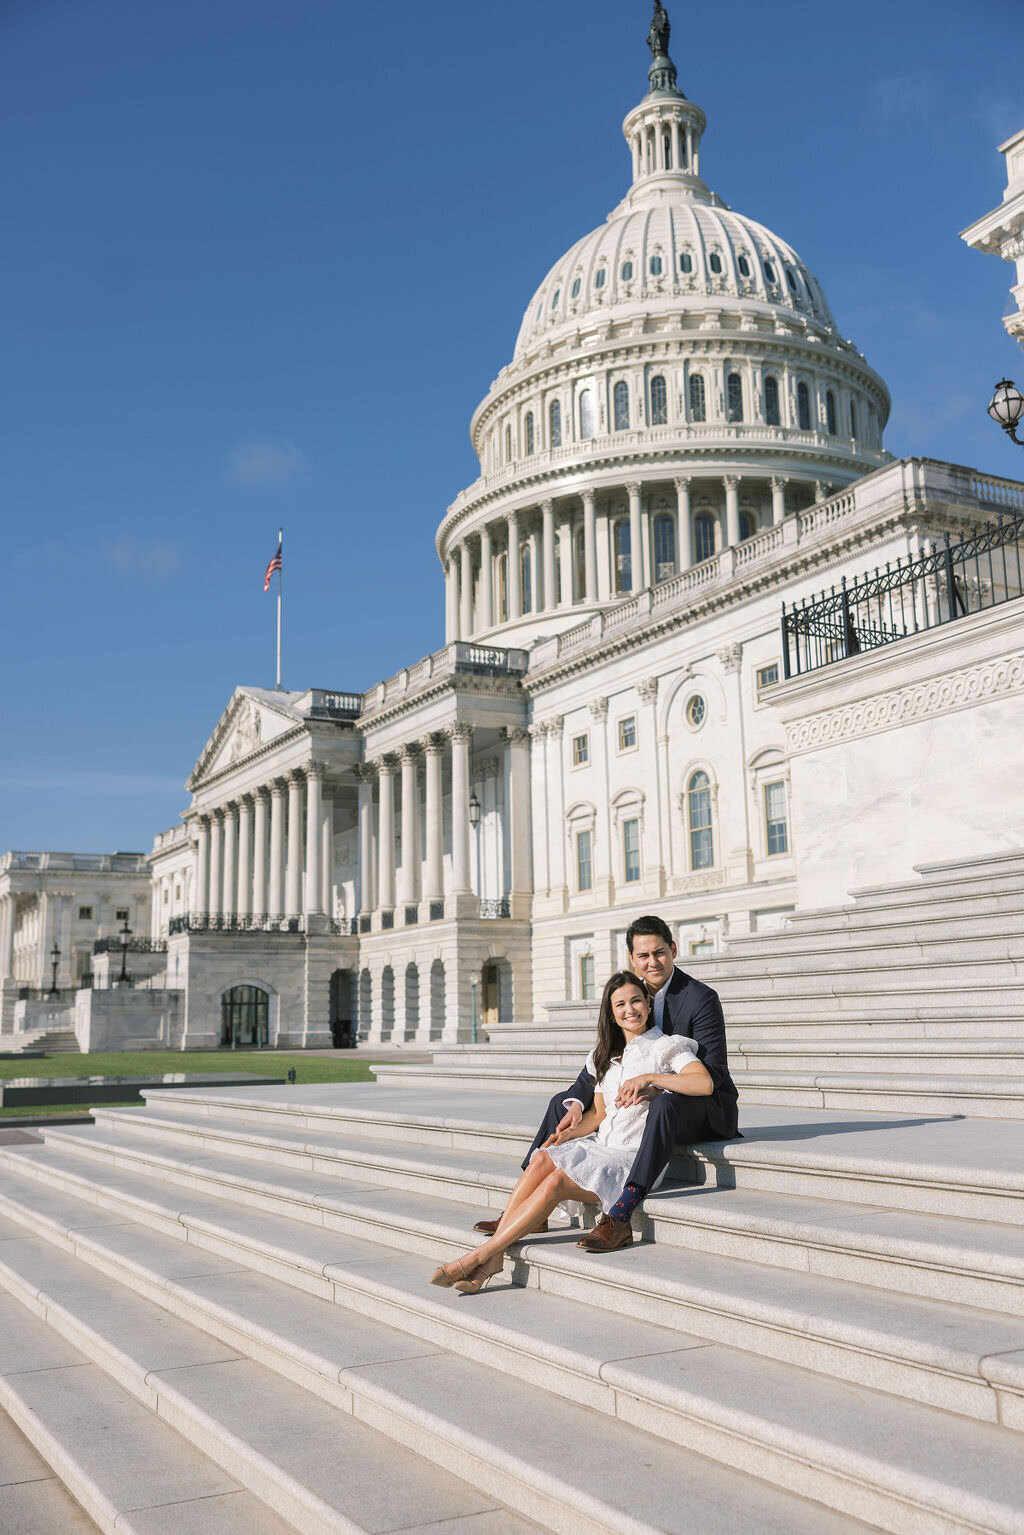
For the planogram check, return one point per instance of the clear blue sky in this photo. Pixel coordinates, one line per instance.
(262, 260)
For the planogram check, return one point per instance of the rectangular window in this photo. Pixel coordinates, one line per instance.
(627, 734)
(580, 750)
(702, 946)
(766, 675)
(587, 977)
(121, 914)
(85, 914)
(584, 863)
(631, 851)
(775, 818)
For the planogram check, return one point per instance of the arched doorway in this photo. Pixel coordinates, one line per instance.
(365, 1003)
(387, 1003)
(243, 1018)
(412, 1002)
(343, 1026)
(437, 1000)
(490, 999)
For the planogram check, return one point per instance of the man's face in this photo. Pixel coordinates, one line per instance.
(652, 959)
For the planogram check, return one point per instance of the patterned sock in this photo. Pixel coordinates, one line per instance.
(627, 1202)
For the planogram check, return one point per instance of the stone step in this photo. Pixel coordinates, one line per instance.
(838, 948)
(35, 1500)
(932, 1164)
(326, 1406)
(842, 1001)
(128, 1469)
(920, 1092)
(930, 1351)
(877, 976)
(867, 1454)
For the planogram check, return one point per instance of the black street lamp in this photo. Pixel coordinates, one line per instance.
(54, 961)
(1007, 407)
(126, 933)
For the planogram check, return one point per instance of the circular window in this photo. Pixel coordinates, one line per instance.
(696, 712)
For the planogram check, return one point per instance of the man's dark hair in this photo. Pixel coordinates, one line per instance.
(648, 927)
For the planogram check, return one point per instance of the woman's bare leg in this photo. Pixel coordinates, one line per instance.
(534, 1206)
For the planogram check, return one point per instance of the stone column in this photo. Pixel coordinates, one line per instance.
(601, 851)
(275, 897)
(652, 861)
(565, 562)
(520, 871)
(230, 861)
(547, 512)
(778, 499)
(486, 603)
(533, 544)
(243, 902)
(451, 598)
(465, 590)
(6, 937)
(364, 777)
(636, 543)
(201, 894)
(314, 900)
(515, 585)
(684, 522)
(734, 809)
(259, 862)
(409, 882)
(216, 862)
(293, 855)
(461, 736)
(327, 857)
(732, 509)
(433, 874)
(386, 835)
(590, 546)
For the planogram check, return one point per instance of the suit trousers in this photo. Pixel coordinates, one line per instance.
(672, 1119)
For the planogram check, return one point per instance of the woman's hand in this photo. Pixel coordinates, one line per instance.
(567, 1125)
(637, 1090)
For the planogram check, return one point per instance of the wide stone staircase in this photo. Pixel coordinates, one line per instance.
(215, 1312)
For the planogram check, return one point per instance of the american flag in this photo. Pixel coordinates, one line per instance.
(275, 564)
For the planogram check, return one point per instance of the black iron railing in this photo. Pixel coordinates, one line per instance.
(132, 945)
(933, 588)
(494, 910)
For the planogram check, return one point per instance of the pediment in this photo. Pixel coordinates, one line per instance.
(247, 724)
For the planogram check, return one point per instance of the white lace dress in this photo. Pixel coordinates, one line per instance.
(601, 1162)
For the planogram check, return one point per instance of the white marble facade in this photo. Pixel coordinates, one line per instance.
(682, 443)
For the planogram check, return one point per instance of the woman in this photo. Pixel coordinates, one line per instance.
(591, 1162)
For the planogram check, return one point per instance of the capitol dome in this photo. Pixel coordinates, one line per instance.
(677, 384)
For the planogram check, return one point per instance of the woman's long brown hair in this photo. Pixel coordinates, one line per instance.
(610, 1039)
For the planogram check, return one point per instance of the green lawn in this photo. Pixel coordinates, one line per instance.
(133, 1063)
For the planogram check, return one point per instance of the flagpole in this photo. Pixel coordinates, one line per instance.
(280, 578)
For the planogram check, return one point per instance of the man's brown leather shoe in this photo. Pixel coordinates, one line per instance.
(607, 1236)
(490, 1227)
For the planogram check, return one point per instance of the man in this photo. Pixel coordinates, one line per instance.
(682, 1005)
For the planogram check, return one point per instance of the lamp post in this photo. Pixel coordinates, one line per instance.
(474, 821)
(1006, 407)
(126, 933)
(54, 961)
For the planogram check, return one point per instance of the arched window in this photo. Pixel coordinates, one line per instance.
(575, 288)
(580, 550)
(627, 271)
(771, 401)
(558, 295)
(528, 426)
(620, 402)
(555, 424)
(744, 266)
(664, 547)
(830, 413)
(698, 818)
(586, 414)
(667, 141)
(698, 405)
(715, 262)
(704, 536)
(791, 280)
(686, 262)
(655, 266)
(437, 999)
(412, 1002)
(503, 588)
(748, 525)
(526, 577)
(734, 398)
(623, 556)
(853, 419)
(387, 1003)
(659, 401)
(365, 1003)
(243, 1018)
(769, 272)
(803, 407)
(599, 279)
(508, 445)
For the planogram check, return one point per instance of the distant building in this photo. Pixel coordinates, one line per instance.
(1001, 232)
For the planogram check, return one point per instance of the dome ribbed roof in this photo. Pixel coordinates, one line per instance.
(638, 260)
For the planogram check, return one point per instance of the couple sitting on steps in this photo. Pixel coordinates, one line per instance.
(658, 1075)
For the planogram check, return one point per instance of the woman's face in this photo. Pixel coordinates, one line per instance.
(631, 1009)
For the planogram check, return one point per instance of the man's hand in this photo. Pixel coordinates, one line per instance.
(636, 1090)
(566, 1125)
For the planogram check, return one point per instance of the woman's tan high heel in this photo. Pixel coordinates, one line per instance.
(441, 1275)
(481, 1276)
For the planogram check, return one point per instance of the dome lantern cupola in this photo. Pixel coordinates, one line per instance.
(664, 131)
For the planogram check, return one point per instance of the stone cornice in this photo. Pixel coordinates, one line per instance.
(460, 685)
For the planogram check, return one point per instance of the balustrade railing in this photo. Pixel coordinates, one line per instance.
(936, 587)
(132, 945)
(491, 911)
